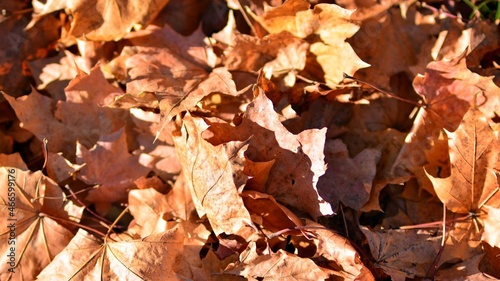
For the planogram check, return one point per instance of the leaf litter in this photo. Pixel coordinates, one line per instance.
(250, 140)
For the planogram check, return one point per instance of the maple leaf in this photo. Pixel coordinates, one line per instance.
(213, 179)
(22, 43)
(152, 258)
(53, 74)
(115, 178)
(466, 270)
(269, 213)
(279, 265)
(176, 73)
(339, 253)
(298, 158)
(78, 118)
(330, 22)
(388, 42)
(59, 168)
(448, 89)
(473, 181)
(104, 20)
(37, 221)
(152, 210)
(348, 180)
(395, 251)
(474, 150)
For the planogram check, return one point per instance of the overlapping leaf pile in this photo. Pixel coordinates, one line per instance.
(214, 140)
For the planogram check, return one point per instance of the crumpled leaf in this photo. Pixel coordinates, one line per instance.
(104, 20)
(269, 213)
(299, 158)
(466, 270)
(152, 210)
(209, 173)
(339, 253)
(176, 73)
(38, 228)
(330, 22)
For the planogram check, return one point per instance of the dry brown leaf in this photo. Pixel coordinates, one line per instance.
(53, 74)
(389, 44)
(491, 235)
(177, 73)
(279, 265)
(104, 20)
(299, 158)
(36, 227)
(348, 180)
(78, 118)
(466, 270)
(12, 160)
(330, 22)
(258, 173)
(339, 253)
(268, 213)
(59, 168)
(114, 179)
(290, 60)
(474, 155)
(213, 179)
(153, 210)
(155, 257)
(403, 254)
(448, 89)
(472, 184)
(21, 44)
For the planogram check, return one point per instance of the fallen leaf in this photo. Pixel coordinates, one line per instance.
(348, 180)
(105, 21)
(152, 258)
(279, 265)
(328, 21)
(116, 178)
(299, 160)
(473, 154)
(339, 253)
(209, 173)
(395, 251)
(33, 210)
